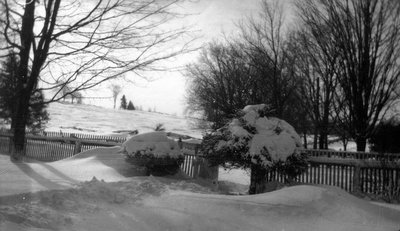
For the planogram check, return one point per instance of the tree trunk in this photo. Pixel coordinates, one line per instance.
(323, 140)
(258, 179)
(345, 144)
(315, 145)
(361, 143)
(19, 122)
(24, 84)
(305, 140)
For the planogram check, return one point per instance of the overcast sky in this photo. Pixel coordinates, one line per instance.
(212, 18)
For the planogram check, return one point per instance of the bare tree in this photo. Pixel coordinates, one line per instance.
(220, 83)
(366, 34)
(316, 64)
(116, 90)
(266, 45)
(83, 44)
(255, 67)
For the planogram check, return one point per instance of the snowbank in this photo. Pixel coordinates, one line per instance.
(150, 203)
(152, 143)
(102, 163)
(125, 201)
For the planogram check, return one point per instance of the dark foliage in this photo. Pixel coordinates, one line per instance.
(386, 138)
(223, 148)
(123, 103)
(159, 127)
(227, 77)
(38, 115)
(294, 166)
(130, 106)
(156, 166)
(229, 156)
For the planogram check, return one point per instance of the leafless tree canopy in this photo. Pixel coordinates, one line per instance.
(84, 43)
(221, 82)
(81, 44)
(266, 41)
(115, 89)
(366, 35)
(252, 68)
(316, 65)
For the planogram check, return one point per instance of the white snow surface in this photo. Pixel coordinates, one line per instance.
(154, 143)
(71, 195)
(64, 195)
(75, 118)
(254, 108)
(275, 135)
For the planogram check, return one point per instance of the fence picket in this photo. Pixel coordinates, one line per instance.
(351, 176)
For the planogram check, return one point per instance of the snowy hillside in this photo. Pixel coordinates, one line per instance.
(97, 120)
(91, 119)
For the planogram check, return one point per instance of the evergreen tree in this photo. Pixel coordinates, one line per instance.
(38, 115)
(130, 106)
(255, 140)
(123, 102)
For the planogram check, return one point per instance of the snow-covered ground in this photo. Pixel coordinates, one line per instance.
(99, 190)
(97, 120)
(91, 119)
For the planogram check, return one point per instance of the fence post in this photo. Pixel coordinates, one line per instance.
(196, 163)
(25, 147)
(180, 144)
(357, 179)
(204, 170)
(78, 147)
(10, 144)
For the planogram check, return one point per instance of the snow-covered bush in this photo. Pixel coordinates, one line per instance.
(155, 151)
(254, 140)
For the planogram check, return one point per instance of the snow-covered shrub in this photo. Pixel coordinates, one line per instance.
(253, 140)
(155, 151)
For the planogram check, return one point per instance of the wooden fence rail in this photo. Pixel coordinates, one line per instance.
(358, 176)
(352, 155)
(48, 148)
(358, 172)
(53, 148)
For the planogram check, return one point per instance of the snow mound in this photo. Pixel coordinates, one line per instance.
(293, 208)
(103, 163)
(154, 143)
(150, 203)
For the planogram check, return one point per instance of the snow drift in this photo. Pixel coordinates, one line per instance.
(156, 144)
(150, 203)
(98, 190)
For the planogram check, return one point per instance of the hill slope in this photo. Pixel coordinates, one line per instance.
(97, 120)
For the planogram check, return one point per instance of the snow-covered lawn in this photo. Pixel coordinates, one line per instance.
(74, 200)
(90, 119)
(99, 190)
